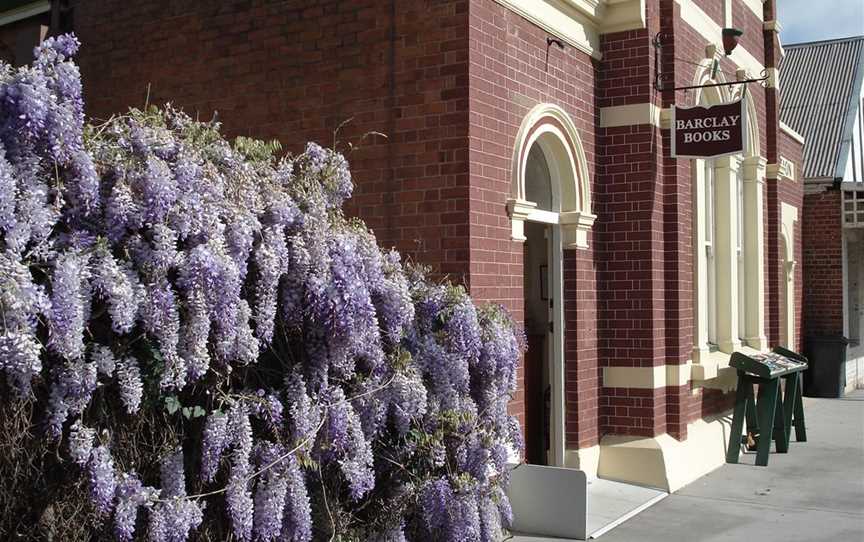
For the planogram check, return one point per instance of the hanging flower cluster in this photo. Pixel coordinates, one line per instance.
(315, 383)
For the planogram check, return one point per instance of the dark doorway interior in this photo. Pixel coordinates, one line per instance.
(537, 331)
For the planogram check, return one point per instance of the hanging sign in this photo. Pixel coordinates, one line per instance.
(708, 132)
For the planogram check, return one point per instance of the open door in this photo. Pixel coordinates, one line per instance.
(538, 392)
(543, 367)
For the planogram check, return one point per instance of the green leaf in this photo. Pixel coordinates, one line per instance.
(172, 404)
(187, 412)
(197, 412)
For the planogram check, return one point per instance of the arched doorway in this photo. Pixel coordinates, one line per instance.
(549, 211)
(539, 254)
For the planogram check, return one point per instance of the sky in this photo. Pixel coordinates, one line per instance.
(816, 20)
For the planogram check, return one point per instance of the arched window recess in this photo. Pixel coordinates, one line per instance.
(549, 152)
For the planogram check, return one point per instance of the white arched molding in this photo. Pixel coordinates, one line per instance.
(552, 128)
(788, 217)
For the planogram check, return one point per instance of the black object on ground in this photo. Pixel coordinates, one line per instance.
(826, 376)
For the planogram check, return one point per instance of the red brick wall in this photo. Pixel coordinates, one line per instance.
(823, 264)
(631, 255)
(297, 70)
(634, 411)
(712, 8)
(509, 74)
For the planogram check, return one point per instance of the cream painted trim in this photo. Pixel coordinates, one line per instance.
(773, 78)
(851, 185)
(666, 118)
(772, 26)
(712, 32)
(756, 7)
(647, 378)
(561, 19)
(623, 15)
(786, 129)
(772, 171)
(558, 399)
(630, 115)
(584, 459)
(24, 12)
(785, 169)
(788, 214)
(753, 169)
(725, 249)
(580, 22)
(713, 369)
(726, 380)
(662, 461)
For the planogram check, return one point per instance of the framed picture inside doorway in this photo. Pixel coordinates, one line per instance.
(544, 282)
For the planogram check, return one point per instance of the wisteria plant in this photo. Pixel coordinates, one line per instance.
(197, 340)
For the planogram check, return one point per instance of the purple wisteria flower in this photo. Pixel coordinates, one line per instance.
(129, 381)
(271, 488)
(297, 515)
(130, 496)
(343, 441)
(69, 305)
(71, 390)
(303, 416)
(214, 442)
(150, 251)
(174, 516)
(104, 359)
(119, 287)
(103, 479)
(80, 442)
(172, 521)
(239, 497)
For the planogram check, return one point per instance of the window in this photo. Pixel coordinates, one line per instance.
(853, 208)
(711, 264)
(539, 190)
(855, 284)
(723, 270)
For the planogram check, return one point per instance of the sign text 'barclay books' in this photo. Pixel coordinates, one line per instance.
(707, 132)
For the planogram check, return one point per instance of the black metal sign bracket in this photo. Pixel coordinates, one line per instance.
(661, 77)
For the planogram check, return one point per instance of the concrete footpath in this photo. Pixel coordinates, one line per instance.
(814, 492)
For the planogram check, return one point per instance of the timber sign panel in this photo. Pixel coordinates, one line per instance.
(708, 132)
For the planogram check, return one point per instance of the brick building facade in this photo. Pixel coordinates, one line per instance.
(832, 121)
(527, 157)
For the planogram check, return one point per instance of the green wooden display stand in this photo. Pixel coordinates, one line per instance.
(770, 414)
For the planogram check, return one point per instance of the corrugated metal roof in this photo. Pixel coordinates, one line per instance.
(819, 85)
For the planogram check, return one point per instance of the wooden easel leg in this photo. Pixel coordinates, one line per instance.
(790, 395)
(767, 404)
(743, 396)
(780, 433)
(752, 419)
(800, 430)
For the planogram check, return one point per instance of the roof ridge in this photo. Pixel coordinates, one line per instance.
(822, 42)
